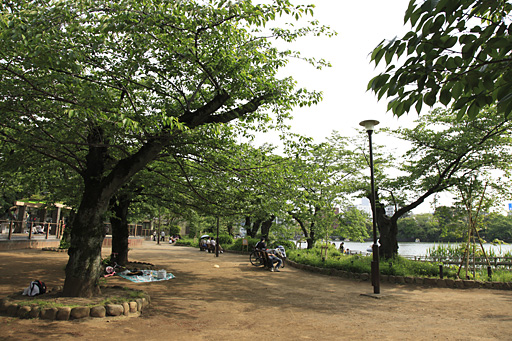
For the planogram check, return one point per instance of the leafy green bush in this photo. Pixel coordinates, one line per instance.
(237, 245)
(400, 266)
(397, 266)
(187, 241)
(174, 229)
(64, 244)
(288, 244)
(497, 275)
(225, 240)
(334, 260)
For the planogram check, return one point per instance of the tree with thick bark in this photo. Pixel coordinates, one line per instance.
(103, 88)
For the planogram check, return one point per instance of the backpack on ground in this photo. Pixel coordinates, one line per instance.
(41, 286)
(35, 288)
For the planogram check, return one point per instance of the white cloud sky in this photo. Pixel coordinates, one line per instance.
(361, 26)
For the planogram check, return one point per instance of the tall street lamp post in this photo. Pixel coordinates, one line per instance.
(369, 125)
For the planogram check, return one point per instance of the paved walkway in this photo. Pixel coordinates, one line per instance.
(226, 298)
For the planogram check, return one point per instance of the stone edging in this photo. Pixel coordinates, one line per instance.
(68, 313)
(428, 282)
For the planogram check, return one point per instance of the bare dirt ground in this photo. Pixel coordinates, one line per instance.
(236, 301)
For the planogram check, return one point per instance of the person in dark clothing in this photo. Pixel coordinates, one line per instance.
(261, 244)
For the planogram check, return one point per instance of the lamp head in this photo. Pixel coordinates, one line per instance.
(369, 124)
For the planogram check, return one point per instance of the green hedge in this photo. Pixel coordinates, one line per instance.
(225, 240)
(362, 264)
(237, 245)
(288, 244)
(186, 241)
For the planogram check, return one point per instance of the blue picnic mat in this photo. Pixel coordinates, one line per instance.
(147, 276)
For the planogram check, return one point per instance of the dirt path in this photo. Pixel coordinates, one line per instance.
(236, 301)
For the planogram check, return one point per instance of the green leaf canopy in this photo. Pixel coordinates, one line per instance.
(458, 53)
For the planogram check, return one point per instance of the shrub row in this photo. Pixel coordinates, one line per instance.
(424, 281)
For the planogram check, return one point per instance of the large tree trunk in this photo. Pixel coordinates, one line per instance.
(266, 225)
(83, 268)
(311, 239)
(309, 235)
(388, 231)
(119, 222)
(387, 228)
(229, 227)
(252, 230)
(88, 231)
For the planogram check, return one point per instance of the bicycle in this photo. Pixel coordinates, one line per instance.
(256, 259)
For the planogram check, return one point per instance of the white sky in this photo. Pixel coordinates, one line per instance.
(361, 26)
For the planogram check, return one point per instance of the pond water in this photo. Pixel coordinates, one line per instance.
(415, 249)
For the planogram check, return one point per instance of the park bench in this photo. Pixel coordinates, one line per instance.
(263, 255)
